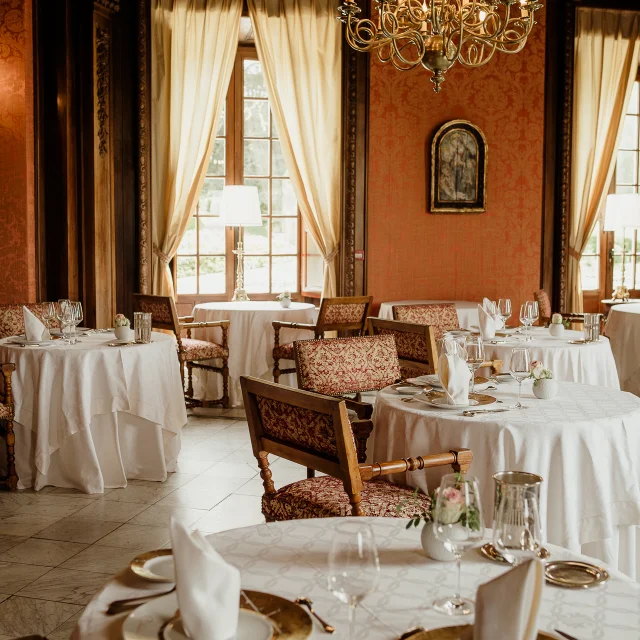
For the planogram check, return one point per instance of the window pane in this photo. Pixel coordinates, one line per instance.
(188, 243)
(256, 239)
(284, 235)
(209, 202)
(284, 274)
(278, 167)
(186, 275)
(623, 189)
(217, 164)
(626, 167)
(274, 129)
(212, 274)
(284, 201)
(263, 192)
(212, 237)
(629, 138)
(314, 264)
(220, 131)
(589, 271)
(256, 119)
(634, 104)
(617, 271)
(254, 84)
(256, 274)
(256, 157)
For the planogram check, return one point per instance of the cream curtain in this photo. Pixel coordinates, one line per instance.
(607, 44)
(299, 44)
(193, 49)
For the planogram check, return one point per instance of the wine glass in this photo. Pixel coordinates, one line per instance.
(475, 357)
(354, 568)
(458, 523)
(63, 314)
(49, 314)
(517, 532)
(525, 319)
(504, 309)
(520, 369)
(77, 317)
(533, 311)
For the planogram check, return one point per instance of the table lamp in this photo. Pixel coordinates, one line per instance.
(622, 212)
(240, 207)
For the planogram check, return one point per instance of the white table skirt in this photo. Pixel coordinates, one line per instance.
(84, 413)
(290, 559)
(585, 443)
(623, 330)
(583, 363)
(250, 342)
(467, 311)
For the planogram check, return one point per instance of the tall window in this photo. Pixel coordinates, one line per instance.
(247, 151)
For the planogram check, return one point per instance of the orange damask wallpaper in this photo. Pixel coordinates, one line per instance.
(17, 211)
(413, 254)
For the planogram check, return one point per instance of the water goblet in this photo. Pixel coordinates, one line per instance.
(475, 357)
(504, 309)
(533, 312)
(520, 369)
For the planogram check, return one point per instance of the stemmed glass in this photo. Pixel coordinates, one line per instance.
(533, 312)
(50, 315)
(64, 317)
(524, 319)
(475, 357)
(458, 523)
(504, 310)
(76, 318)
(354, 568)
(520, 369)
(517, 532)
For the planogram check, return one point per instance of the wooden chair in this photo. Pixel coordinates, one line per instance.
(314, 431)
(544, 306)
(190, 351)
(415, 343)
(12, 317)
(441, 317)
(336, 314)
(10, 480)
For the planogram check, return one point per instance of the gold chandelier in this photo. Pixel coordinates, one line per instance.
(436, 33)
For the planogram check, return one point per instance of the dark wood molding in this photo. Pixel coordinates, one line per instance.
(103, 76)
(109, 5)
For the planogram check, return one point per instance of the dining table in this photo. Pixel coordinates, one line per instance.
(584, 443)
(92, 415)
(568, 356)
(251, 339)
(623, 331)
(467, 311)
(290, 559)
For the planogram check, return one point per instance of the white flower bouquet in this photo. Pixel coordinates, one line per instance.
(121, 321)
(538, 372)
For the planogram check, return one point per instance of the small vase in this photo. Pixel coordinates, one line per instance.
(123, 333)
(545, 389)
(433, 547)
(285, 303)
(556, 330)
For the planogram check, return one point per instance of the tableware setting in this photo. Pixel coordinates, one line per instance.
(439, 400)
(155, 566)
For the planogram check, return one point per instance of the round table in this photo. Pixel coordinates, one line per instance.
(585, 443)
(623, 330)
(290, 559)
(250, 341)
(89, 416)
(585, 363)
(467, 311)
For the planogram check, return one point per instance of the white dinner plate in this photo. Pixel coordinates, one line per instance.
(507, 378)
(30, 343)
(431, 379)
(144, 622)
(441, 403)
(407, 389)
(155, 566)
(459, 332)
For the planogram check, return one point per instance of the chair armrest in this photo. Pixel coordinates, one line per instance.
(459, 459)
(278, 324)
(363, 409)
(204, 325)
(186, 319)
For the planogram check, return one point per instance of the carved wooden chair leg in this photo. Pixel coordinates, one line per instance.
(361, 432)
(190, 378)
(276, 371)
(354, 500)
(182, 380)
(311, 473)
(265, 474)
(12, 476)
(225, 383)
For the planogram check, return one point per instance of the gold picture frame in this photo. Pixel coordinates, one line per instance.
(459, 154)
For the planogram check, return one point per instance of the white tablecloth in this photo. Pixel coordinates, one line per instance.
(290, 559)
(585, 443)
(89, 416)
(250, 342)
(467, 311)
(584, 363)
(623, 330)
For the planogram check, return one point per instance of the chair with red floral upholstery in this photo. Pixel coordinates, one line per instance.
(336, 314)
(441, 317)
(12, 317)
(314, 431)
(191, 352)
(544, 306)
(10, 478)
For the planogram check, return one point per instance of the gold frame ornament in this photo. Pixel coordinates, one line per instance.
(459, 154)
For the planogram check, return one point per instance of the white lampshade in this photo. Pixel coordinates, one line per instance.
(240, 207)
(623, 211)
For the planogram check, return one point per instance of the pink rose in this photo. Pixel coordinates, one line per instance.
(453, 495)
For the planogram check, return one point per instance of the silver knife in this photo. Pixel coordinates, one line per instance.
(471, 413)
(565, 635)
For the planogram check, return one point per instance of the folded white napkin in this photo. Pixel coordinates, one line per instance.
(488, 324)
(208, 588)
(33, 328)
(508, 606)
(454, 376)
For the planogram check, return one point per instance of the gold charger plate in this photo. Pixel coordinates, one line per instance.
(138, 565)
(572, 574)
(292, 620)
(456, 633)
(481, 398)
(491, 553)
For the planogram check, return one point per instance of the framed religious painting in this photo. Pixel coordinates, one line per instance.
(458, 169)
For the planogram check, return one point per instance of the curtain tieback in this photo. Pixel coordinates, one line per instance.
(163, 257)
(332, 256)
(575, 254)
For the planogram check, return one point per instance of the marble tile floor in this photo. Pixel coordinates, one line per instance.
(59, 546)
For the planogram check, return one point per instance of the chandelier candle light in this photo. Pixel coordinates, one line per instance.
(436, 33)
(240, 207)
